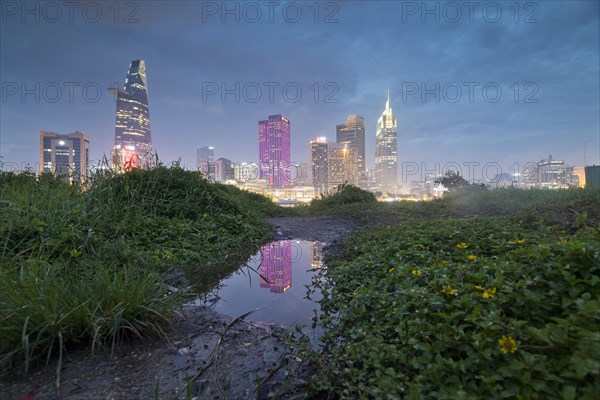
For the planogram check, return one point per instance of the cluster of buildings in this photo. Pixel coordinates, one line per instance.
(329, 165)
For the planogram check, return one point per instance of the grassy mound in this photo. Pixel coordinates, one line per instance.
(343, 199)
(84, 267)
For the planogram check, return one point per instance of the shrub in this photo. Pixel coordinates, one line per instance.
(475, 307)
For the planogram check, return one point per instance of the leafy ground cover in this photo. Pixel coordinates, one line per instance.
(85, 266)
(493, 294)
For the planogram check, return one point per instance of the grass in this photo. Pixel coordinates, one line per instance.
(85, 267)
(491, 294)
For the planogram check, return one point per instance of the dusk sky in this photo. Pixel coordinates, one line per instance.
(543, 56)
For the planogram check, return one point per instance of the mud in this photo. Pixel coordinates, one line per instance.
(204, 355)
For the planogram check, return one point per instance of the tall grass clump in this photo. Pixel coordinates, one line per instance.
(84, 267)
(345, 198)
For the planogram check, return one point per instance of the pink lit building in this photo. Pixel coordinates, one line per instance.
(274, 151)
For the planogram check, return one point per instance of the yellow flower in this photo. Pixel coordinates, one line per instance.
(563, 241)
(448, 290)
(462, 246)
(391, 269)
(416, 272)
(354, 293)
(419, 245)
(478, 287)
(471, 257)
(517, 241)
(488, 294)
(507, 344)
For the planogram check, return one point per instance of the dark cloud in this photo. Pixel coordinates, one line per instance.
(373, 46)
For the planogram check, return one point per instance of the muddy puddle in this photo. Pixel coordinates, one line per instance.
(273, 285)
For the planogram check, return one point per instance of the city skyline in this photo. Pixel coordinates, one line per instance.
(557, 67)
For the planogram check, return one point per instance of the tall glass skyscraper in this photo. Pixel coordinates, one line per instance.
(386, 150)
(133, 142)
(353, 132)
(274, 151)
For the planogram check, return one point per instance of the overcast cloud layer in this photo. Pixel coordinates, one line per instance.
(543, 56)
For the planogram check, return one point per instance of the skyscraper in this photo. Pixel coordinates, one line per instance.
(317, 158)
(224, 170)
(65, 155)
(133, 142)
(386, 150)
(341, 164)
(206, 153)
(205, 159)
(274, 151)
(331, 164)
(353, 132)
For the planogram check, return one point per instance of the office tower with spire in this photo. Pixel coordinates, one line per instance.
(353, 133)
(133, 141)
(274, 151)
(386, 150)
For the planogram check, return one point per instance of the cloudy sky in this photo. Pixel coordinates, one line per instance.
(479, 84)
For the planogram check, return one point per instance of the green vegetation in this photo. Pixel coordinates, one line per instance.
(491, 294)
(345, 199)
(454, 182)
(483, 294)
(87, 267)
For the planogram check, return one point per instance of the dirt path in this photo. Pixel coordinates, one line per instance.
(328, 229)
(229, 358)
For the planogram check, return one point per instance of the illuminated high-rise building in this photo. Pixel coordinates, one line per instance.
(206, 153)
(386, 150)
(341, 165)
(579, 173)
(224, 170)
(331, 164)
(353, 132)
(276, 266)
(317, 159)
(133, 141)
(205, 161)
(274, 151)
(65, 155)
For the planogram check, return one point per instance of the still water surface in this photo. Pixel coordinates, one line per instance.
(274, 282)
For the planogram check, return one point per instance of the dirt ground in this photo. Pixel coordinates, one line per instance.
(211, 355)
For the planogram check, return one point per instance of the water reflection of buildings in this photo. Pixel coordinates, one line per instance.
(316, 256)
(276, 266)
